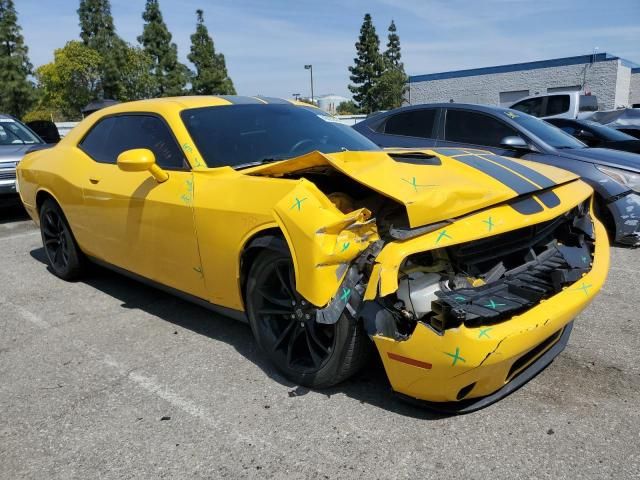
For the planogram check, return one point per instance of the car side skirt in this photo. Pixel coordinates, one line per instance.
(238, 315)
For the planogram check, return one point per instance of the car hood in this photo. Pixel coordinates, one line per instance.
(604, 156)
(434, 185)
(13, 153)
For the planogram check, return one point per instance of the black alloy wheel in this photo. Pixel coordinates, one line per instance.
(63, 255)
(284, 324)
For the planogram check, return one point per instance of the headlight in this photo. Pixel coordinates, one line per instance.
(628, 179)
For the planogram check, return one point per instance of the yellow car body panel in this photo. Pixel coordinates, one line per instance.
(189, 233)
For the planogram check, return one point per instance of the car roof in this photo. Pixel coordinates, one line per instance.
(490, 109)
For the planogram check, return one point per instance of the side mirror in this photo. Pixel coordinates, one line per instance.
(514, 142)
(141, 160)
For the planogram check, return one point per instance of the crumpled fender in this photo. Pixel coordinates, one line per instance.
(323, 241)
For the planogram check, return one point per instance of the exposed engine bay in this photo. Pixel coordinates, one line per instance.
(486, 281)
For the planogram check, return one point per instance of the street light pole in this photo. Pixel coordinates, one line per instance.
(310, 68)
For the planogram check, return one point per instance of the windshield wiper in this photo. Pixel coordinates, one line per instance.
(262, 161)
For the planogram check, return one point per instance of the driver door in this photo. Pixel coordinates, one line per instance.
(134, 222)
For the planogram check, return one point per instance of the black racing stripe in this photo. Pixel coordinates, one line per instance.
(523, 170)
(527, 206)
(449, 151)
(510, 179)
(241, 100)
(549, 199)
(274, 100)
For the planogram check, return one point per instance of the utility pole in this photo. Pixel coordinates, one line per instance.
(310, 68)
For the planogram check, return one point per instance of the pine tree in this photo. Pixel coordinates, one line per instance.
(170, 75)
(16, 91)
(392, 53)
(392, 84)
(98, 32)
(368, 67)
(211, 75)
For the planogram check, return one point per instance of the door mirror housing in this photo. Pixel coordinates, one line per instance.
(141, 160)
(514, 142)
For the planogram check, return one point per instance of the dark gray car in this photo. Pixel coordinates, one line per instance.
(614, 175)
(15, 140)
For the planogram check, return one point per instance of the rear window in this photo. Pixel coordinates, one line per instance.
(532, 106)
(557, 104)
(414, 123)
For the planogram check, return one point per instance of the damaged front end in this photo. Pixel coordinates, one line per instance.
(461, 310)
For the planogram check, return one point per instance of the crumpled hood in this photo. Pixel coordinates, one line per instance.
(435, 184)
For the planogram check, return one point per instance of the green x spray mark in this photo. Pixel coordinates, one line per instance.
(484, 332)
(456, 356)
(490, 224)
(584, 287)
(298, 203)
(441, 235)
(459, 298)
(187, 148)
(414, 184)
(345, 245)
(346, 293)
(585, 259)
(494, 305)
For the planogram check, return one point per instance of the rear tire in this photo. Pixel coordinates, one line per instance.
(283, 323)
(65, 258)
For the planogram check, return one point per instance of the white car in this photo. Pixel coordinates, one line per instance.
(558, 105)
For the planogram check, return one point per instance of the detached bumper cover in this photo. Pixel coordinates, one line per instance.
(480, 364)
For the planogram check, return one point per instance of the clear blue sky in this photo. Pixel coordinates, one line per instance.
(267, 42)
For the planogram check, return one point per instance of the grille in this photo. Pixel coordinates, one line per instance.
(7, 174)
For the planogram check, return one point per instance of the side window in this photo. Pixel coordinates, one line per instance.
(557, 104)
(113, 135)
(533, 106)
(568, 129)
(415, 123)
(475, 128)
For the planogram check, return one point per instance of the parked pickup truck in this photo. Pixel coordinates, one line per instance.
(558, 105)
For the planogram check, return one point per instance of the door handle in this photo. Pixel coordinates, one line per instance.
(94, 180)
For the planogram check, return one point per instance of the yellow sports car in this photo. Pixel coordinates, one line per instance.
(463, 268)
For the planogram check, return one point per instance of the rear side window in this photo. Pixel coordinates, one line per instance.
(557, 104)
(415, 123)
(475, 128)
(113, 135)
(533, 106)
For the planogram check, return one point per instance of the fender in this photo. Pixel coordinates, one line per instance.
(323, 241)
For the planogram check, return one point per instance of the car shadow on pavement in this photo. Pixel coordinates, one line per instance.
(370, 386)
(12, 212)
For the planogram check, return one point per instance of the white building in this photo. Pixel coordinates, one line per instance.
(614, 80)
(329, 103)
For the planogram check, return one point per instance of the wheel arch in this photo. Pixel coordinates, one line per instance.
(270, 238)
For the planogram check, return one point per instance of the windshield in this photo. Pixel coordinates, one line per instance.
(546, 132)
(607, 133)
(245, 135)
(14, 133)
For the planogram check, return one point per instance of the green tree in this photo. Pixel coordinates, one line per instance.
(136, 79)
(392, 84)
(170, 75)
(368, 67)
(16, 91)
(347, 108)
(98, 32)
(211, 75)
(71, 81)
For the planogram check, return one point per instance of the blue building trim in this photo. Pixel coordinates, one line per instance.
(517, 67)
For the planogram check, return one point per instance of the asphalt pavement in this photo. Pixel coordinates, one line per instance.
(108, 378)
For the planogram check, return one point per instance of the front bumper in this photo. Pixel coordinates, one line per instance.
(626, 214)
(487, 363)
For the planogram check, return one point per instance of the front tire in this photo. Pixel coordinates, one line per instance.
(64, 257)
(283, 323)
